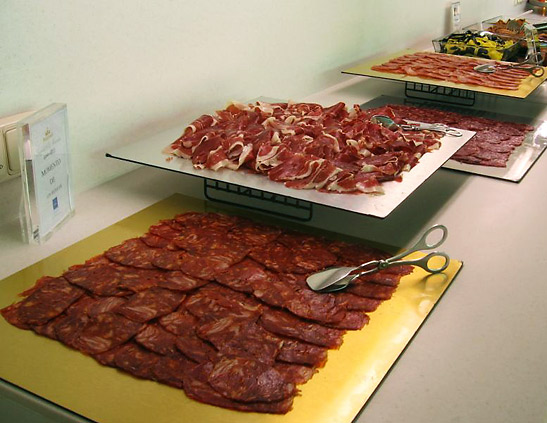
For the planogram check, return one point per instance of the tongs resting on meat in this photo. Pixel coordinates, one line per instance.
(411, 125)
(338, 278)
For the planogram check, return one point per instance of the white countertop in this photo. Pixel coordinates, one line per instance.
(481, 356)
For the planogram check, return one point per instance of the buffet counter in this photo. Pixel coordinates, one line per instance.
(480, 355)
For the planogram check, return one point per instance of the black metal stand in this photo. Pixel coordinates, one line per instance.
(265, 202)
(436, 93)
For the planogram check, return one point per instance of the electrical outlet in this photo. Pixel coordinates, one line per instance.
(10, 166)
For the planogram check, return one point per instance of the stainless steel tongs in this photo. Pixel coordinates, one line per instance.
(338, 278)
(411, 125)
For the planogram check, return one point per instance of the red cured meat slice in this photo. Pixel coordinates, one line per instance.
(157, 339)
(183, 325)
(354, 302)
(169, 260)
(294, 373)
(136, 280)
(298, 352)
(280, 258)
(353, 320)
(251, 233)
(164, 230)
(47, 302)
(244, 276)
(248, 380)
(68, 328)
(11, 314)
(179, 281)
(241, 338)
(285, 324)
(105, 331)
(155, 241)
(135, 360)
(206, 267)
(132, 252)
(171, 370)
(100, 279)
(371, 290)
(100, 305)
(147, 305)
(196, 386)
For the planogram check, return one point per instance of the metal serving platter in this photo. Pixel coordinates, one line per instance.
(148, 152)
(520, 161)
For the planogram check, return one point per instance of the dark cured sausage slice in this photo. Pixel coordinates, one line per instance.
(157, 339)
(251, 233)
(104, 332)
(294, 373)
(132, 252)
(285, 324)
(298, 352)
(136, 280)
(47, 302)
(356, 303)
(197, 387)
(147, 305)
(179, 281)
(136, 360)
(248, 380)
(100, 279)
(371, 290)
(234, 336)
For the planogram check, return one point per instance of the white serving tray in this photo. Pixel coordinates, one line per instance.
(520, 161)
(149, 152)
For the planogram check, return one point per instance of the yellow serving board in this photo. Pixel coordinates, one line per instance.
(528, 85)
(77, 382)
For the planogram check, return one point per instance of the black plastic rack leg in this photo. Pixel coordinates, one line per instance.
(253, 199)
(436, 93)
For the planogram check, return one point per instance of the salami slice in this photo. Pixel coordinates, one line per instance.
(371, 290)
(154, 338)
(136, 360)
(132, 252)
(248, 380)
(294, 373)
(105, 331)
(196, 386)
(147, 305)
(136, 280)
(47, 302)
(100, 279)
(298, 352)
(285, 324)
(179, 281)
(171, 370)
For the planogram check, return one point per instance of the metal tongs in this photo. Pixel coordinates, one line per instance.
(338, 278)
(411, 125)
(534, 70)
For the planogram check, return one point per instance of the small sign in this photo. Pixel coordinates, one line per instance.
(45, 172)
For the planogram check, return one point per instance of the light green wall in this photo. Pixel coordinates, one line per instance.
(127, 69)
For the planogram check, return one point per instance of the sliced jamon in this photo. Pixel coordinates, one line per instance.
(147, 305)
(248, 380)
(157, 339)
(197, 387)
(298, 352)
(132, 252)
(286, 324)
(50, 300)
(105, 331)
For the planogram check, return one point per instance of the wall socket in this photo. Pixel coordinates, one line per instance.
(10, 166)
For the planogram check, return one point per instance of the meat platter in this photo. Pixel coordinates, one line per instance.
(381, 68)
(151, 152)
(512, 168)
(67, 378)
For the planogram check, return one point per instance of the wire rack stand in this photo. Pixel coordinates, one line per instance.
(439, 94)
(253, 199)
